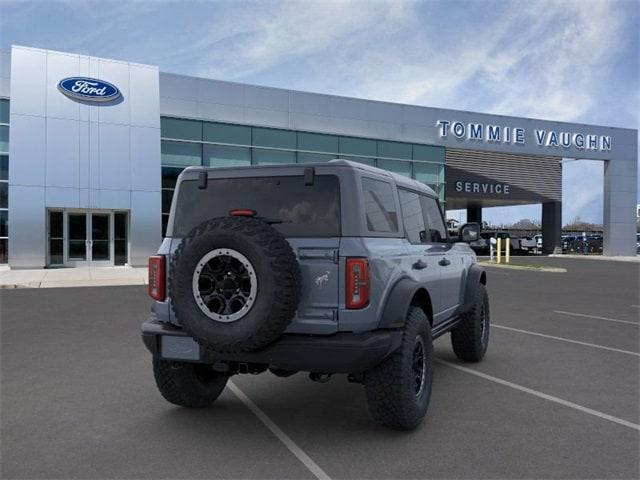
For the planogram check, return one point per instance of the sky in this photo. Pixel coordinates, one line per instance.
(558, 60)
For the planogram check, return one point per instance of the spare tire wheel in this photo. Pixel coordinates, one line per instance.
(234, 283)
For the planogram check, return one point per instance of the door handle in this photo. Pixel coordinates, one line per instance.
(444, 262)
(419, 265)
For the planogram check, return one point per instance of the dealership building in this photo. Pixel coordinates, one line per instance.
(90, 150)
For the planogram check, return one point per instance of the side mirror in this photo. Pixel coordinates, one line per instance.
(469, 232)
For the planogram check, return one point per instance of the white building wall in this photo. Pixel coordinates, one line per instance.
(69, 154)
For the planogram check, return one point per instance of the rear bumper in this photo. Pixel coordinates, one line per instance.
(338, 353)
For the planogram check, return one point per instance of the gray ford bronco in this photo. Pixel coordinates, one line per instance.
(324, 268)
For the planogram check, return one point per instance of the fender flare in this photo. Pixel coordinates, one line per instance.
(476, 276)
(398, 301)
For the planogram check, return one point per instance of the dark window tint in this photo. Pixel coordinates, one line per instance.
(436, 230)
(4, 167)
(304, 210)
(380, 207)
(412, 216)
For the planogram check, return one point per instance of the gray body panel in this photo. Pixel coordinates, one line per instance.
(391, 257)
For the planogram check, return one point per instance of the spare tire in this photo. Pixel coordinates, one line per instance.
(234, 284)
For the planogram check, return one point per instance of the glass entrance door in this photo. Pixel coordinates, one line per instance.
(77, 240)
(100, 240)
(87, 238)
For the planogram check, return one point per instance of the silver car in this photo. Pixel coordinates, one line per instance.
(328, 268)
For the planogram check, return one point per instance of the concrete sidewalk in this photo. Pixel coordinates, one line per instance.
(73, 277)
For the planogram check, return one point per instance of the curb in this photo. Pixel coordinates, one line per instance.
(73, 284)
(523, 267)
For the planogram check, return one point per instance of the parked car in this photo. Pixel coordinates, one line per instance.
(325, 268)
(528, 245)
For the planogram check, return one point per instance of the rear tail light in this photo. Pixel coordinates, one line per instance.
(357, 282)
(157, 277)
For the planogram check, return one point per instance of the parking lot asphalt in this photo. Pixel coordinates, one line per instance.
(556, 397)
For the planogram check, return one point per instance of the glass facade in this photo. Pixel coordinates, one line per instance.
(4, 180)
(194, 142)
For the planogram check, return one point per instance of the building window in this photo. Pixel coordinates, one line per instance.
(306, 157)
(274, 138)
(120, 238)
(262, 156)
(193, 142)
(364, 160)
(316, 142)
(169, 180)
(226, 156)
(4, 235)
(428, 153)
(396, 166)
(358, 146)
(4, 111)
(394, 150)
(4, 181)
(225, 133)
(179, 153)
(180, 129)
(56, 238)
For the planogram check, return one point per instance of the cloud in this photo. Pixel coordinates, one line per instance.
(564, 60)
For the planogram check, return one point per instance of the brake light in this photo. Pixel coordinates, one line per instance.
(156, 277)
(242, 212)
(357, 282)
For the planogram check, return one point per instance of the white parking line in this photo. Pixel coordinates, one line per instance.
(602, 347)
(545, 396)
(573, 314)
(283, 437)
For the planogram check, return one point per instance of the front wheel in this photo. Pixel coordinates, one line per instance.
(399, 389)
(190, 385)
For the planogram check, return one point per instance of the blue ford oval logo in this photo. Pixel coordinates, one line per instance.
(89, 89)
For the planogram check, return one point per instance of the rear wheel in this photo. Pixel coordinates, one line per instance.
(188, 384)
(470, 338)
(399, 389)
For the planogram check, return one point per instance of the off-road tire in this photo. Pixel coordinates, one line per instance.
(278, 279)
(470, 338)
(390, 386)
(190, 385)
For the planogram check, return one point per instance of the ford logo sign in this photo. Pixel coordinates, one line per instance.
(88, 89)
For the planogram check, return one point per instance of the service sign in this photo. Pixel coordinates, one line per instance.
(478, 132)
(88, 89)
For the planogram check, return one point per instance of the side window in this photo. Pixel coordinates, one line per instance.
(412, 216)
(379, 205)
(436, 230)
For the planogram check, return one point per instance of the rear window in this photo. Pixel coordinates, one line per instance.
(305, 211)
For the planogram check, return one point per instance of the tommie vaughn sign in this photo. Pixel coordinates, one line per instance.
(478, 132)
(88, 89)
